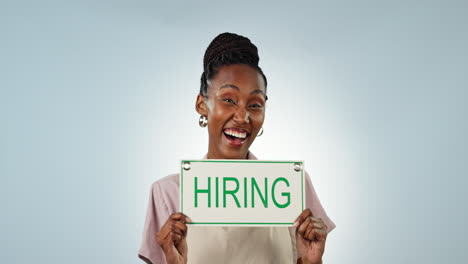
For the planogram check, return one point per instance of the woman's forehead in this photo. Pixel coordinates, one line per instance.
(238, 77)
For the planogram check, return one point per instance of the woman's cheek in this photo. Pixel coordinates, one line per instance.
(258, 115)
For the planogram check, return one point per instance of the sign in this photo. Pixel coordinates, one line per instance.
(242, 192)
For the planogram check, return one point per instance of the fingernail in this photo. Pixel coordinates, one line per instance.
(296, 224)
(188, 219)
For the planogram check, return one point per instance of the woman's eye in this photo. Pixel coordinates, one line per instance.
(229, 101)
(255, 105)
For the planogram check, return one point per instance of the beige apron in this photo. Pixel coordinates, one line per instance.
(259, 245)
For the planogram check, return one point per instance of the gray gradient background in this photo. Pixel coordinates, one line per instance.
(97, 102)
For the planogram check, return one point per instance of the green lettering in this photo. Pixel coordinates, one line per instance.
(231, 192)
(208, 191)
(263, 198)
(286, 194)
(245, 192)
(217, 192)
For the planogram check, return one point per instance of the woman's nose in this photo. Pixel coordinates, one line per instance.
(241, 117)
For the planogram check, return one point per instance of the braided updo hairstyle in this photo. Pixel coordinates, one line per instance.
(226, 49)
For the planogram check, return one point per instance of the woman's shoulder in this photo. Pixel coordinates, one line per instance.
(166, 192)
(168, 184)
(169, 179)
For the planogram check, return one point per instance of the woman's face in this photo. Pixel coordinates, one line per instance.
(235, 109)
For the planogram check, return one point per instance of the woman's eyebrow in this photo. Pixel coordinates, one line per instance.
(228, 85)
(258, 91)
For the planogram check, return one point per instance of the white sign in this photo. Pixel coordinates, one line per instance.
(242, 192)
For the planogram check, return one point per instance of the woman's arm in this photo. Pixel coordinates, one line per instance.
(311, 234)
(299, 261)
(172, 238)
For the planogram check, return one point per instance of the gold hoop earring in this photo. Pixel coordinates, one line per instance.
(260, 133)
(203, 121)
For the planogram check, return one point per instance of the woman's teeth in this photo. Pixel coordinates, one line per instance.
(236, 134)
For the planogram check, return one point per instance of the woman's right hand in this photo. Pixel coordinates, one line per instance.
(172, 240)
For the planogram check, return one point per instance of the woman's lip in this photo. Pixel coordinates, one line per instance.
(235, 143)
(238, 130)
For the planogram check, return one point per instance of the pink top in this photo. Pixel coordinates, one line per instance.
(164, 200)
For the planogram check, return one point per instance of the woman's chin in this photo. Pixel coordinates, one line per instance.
(230, 153)
(227, 149)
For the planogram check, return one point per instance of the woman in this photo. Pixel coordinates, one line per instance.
(231, 103)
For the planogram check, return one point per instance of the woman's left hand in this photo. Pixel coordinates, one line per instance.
(311, 234)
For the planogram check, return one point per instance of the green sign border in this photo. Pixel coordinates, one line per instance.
(236, 161)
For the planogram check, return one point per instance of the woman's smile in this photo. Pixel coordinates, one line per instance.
(236, 136)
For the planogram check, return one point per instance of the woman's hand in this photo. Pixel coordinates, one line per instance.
(172, 240)
(311, 234)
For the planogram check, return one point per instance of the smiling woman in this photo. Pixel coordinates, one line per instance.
(231, 103)
(235, 109)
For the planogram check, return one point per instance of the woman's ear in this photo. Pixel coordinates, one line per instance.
(201, 106)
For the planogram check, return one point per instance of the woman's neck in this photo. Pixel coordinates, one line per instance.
(214, 156)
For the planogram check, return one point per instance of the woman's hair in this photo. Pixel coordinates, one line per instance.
(226, 49)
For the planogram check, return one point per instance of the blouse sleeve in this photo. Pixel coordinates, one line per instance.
(313, 203)
(156, 216)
